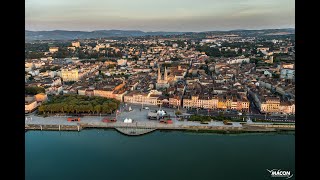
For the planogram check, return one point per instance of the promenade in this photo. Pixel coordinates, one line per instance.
(143, 125)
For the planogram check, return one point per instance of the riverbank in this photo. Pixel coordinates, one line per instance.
(139, 129)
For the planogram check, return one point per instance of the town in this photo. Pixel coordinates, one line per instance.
(219, 74)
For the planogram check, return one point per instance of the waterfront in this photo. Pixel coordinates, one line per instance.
(107, 154)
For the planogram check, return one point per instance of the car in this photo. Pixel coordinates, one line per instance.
(73, 119)
(146, 108)
(109, 120)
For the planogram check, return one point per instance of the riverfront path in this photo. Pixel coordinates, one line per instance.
(140, 121)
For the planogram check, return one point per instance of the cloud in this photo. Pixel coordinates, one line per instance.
(165, 15)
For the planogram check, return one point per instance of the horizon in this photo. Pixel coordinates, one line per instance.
(164, 31)
(165, 15)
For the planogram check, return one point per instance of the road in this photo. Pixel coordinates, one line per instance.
(278, 117)
(256, 115)
(139, 115)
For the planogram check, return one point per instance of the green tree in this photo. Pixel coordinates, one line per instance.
(97, 108)
(33, 90)
(178, 112)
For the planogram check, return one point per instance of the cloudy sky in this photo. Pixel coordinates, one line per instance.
(159, 15)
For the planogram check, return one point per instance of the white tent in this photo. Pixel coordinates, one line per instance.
(126, 120)
(161, 112)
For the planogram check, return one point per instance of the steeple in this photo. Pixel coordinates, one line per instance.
(165, 74)
(159, 74)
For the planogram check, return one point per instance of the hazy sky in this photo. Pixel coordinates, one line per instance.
(159, 15)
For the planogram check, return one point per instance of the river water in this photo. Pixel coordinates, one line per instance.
(98, 154)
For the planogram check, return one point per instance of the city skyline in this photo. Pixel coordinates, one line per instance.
(180, 16)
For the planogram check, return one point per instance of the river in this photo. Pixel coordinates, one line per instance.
(97, 154)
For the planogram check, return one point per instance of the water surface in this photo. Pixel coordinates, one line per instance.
(108, 155)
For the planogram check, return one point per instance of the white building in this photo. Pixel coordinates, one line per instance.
(174, 45)
(53, 49)
(238, 60)
(287, 73)
(122, 62)
(30, 104)
(75, 44)
(70, 75)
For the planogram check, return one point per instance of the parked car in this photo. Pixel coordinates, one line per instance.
(73, 119)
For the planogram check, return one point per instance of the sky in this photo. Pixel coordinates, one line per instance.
(158, 15)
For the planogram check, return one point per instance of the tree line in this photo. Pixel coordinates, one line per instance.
(33, 90)
(79, 104)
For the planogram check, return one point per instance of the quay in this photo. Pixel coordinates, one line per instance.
(140, 128)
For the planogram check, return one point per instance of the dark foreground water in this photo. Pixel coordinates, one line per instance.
(108, 155)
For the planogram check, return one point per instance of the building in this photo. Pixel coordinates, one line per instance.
(222, 103)
(122, 62)
(112, 89)
(264, 50)
(30, 104)
(245, 105)
(287, 73)
(75, 44)
(197, 101)
(270, 104)
(70, 75)
(71, 48)
(150, 98)
(174, 45)
(53, 49)
(175, 101)
(238, 60)
(41, 97)
(162, 83)
(287, 107)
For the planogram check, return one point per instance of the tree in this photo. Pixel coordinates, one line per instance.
(105, 108)
(41, 109)
(178, 112)
(33, 90)
(97, 108)
(79, 104)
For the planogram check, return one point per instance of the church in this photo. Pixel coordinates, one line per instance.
(162, 83)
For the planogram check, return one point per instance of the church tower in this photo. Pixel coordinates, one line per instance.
(165, 74)
(162, 83)
(159, 75)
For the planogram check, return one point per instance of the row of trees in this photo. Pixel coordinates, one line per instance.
(33, 90)
(215, 52)
(51, 68)
(33, 55)
(202, 118)
(79, 104)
